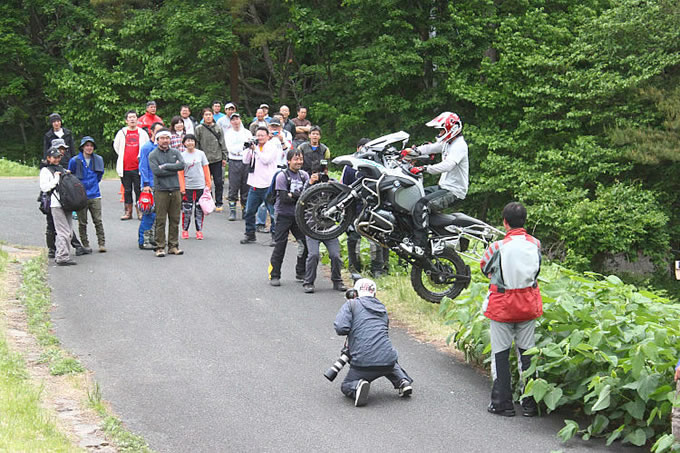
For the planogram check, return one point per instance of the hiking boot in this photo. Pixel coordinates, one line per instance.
(66, 263)
(248, 238)
(199, 235)
(185, 234)
(128, 212)
(232, 211)
(504, 412)
(102, 249)
(51, 253)
(160, 253)
(308, 288)
(361, 394)
(299, 278)
(405, 388)
(175, 251)
(261, 229)
(275, 282)
(339, 286)
(83, 251)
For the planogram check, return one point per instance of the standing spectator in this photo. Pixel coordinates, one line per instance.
(302, 127)
(177, 133)
(165, 163)
(258, 121)
(512, 305)
(194, 179)
(145, 121)
(127, 143)
(314, 151)
(289, 185)
(365, 321)
(216, 108)
(146, 226)
(265, 113)
(234, 139)
(88, 167)
(283, 137)
(209, 139)
(55, 132)
(261, 158)
(188, 120)
(49, 179)
(313, 255)
(286, 123)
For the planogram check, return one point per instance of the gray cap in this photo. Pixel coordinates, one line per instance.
(59, 142)
(234, 115)
(275, 122)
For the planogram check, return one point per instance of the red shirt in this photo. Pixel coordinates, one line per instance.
(146, 120)
(131, 156)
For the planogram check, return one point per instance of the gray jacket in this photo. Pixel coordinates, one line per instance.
(364, 320)
(164, 167)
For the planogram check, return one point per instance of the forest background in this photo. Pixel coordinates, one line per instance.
(572, 108)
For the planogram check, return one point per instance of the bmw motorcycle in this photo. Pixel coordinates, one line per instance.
(379, 205)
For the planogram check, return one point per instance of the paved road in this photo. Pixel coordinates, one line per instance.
(198, 353)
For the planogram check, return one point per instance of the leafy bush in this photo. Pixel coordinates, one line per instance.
(603, 348)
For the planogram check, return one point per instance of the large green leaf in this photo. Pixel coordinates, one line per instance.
(603, 400)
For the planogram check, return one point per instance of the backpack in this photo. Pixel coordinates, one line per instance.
(270, 196)
(71, 193)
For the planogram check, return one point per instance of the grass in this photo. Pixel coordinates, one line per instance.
(24, 425)
(11, 168)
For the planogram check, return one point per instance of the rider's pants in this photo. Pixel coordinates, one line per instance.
(435, 200)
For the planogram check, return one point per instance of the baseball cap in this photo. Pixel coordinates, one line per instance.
(59, 142)
(234, 115)
(230, 105)
(53, 152)
(275, 122)
(264, 106)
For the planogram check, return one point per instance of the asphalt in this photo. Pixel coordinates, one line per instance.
(197, 353)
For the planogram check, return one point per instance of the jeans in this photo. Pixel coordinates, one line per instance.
(217, 173)
(94, 206)
(130, 181)
(146, 224)
(261, 218)
(255, 199)
(168, 206)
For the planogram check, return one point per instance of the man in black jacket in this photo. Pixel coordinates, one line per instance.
(165, 163)
(55, 132)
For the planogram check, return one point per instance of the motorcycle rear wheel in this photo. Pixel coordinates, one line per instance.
(309, 213)
(452, 277)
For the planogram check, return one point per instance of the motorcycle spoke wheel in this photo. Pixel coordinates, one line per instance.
(312, 219)
(448, 278)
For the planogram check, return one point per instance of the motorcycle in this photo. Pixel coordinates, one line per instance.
(379, 205)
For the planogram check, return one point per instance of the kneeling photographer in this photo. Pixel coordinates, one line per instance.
(365, 322)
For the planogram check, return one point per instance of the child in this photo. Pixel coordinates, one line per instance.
(195, 178)
(365, 322)
(89, 169)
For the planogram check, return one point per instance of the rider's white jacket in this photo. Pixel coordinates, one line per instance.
(454, 166)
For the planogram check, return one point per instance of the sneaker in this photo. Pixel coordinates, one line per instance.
(275, 282)
(308, 288)
(504, 412)
(361, 394)
(339, 286)
(219, 209)
(82, 251)
(199, 235)
(405, 388)
(51, 254)
(299, 278)
(185, 234)
(232, 215)
(160, 253)
(66, 263)
(176, 251)
(248, 239)
(102, 249)
(261, 229)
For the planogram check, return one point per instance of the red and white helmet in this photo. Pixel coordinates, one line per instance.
(145, 202)
(450, 123)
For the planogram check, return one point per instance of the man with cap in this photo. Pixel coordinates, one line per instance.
(224, 122)
(235, 138)
(57, 131)
(50, 175)
(166, 163)
(88, 167)
(127, 143)
(265, 111)
(145, 121)
(258, 121)
(364, 320)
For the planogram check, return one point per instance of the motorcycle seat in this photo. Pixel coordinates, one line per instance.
(457, 218)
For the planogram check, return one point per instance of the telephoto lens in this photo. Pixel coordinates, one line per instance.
(333, 371)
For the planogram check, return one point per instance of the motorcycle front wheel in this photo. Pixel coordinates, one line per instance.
(311, 215)
(448, 278)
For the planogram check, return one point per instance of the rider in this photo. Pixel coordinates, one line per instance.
(453, 182)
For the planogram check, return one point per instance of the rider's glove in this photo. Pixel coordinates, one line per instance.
(409, 152)
(417, 170)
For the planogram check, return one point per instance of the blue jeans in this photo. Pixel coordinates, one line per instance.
(145, 225)
(255, 199)
(261, 217)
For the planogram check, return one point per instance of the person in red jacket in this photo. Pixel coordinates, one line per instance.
(145, 121)
(512, 305)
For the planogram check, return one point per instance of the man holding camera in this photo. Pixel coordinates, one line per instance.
(365, 322)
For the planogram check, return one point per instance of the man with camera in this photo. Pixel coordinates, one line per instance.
(363, 318)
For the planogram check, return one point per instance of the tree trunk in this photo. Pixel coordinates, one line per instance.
(234, 79)
(22, 128)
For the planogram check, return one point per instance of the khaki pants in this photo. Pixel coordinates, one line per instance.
(168, 205)
(94, 206)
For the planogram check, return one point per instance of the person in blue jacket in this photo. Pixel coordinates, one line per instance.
(146, 239)
(365, 322)
(88, 167)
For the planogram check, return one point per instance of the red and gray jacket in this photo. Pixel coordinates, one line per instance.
(513, 265)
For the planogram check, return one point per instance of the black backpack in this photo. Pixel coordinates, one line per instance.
(71, 193)
(271, 194)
